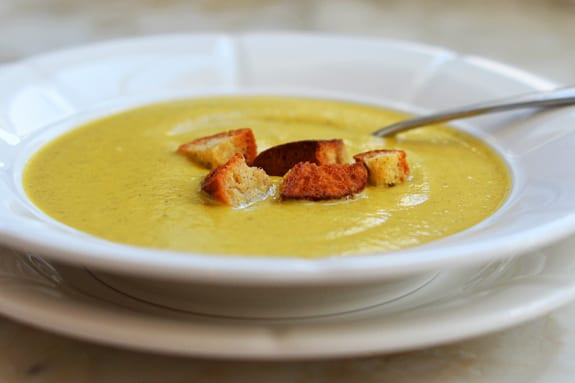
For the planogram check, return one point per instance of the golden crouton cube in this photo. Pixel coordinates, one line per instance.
(237, 184)
(386, 167)
(213, 151)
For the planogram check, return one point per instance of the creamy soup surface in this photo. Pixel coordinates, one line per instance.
(121, 179)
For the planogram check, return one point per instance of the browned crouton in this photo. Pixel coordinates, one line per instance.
(386, 167)
(322, 182)
(236, 184)
(277, 160)
(213, 151)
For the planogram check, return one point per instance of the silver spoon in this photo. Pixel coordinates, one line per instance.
(557, 97)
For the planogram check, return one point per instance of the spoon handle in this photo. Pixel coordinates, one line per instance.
(557, 97)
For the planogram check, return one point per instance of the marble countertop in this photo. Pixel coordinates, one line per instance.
(536, 35)
(537, 352)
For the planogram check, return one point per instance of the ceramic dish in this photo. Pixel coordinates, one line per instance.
(471, 300)
(44, 96)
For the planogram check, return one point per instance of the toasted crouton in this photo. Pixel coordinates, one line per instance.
(277, 160)
(323, 182)
(213, 151)
(385, 167)
(236, 184)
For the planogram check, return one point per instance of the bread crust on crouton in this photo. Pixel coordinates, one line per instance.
(215, 150)
(323, 182)
(386, 167)
(277, 160)
(237, 184)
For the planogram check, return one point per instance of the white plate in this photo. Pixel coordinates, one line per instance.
(457, 304)
(46, 95)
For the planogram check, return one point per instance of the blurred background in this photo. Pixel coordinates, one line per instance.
(537, 35)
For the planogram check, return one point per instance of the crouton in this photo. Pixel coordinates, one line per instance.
(237, 184)
(277, 160)
(213, 151)
(323, 182)
(386, 167)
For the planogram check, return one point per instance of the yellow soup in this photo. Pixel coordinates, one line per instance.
(121, 179)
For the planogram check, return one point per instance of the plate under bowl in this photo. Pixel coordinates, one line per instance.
(456, 304)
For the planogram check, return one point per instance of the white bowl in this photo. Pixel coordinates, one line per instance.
(46, 95)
